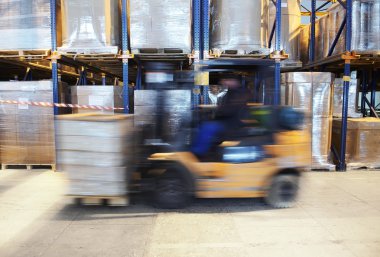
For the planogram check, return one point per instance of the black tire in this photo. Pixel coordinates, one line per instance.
(283, 191)
(172, 191)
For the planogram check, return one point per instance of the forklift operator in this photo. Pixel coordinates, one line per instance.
(227, 118)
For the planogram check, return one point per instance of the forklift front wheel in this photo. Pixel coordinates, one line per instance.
(172, 191)
(283, 191)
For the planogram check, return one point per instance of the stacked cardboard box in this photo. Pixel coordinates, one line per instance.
(160, 24)
(26, 24)
(27, 132)
(106, 96)
(311, 92)
(95, 150)
(363, 140)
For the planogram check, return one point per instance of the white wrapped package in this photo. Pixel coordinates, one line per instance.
(25, 24)
(90, 26)
(290, 26)
(240, 25)
(160, 24)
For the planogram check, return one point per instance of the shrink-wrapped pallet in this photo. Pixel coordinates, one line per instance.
(90, 26)
(311, 93)
(27, 132)
(103, 96)
(25, 25)
(336, 15)
(240, 25)
(96, 151)
(304, 43)
(352, 99)
(322, 43)
(290, 27)
(160, 24)
(363, 140)
(165, 118)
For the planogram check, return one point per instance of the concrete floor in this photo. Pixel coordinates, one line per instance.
(338, 214)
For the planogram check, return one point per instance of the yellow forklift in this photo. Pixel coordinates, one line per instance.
(263, 158)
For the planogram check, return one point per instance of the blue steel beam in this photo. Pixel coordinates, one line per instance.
(346, 84)
(125, 44)
(54, 67)
(373, 88)
(197, 42)
(364, 92)
(205, 47)
(277, 68)
(312, 34)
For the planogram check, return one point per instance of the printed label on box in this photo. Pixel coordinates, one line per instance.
(284, 5)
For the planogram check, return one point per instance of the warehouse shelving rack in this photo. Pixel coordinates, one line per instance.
(366, 63)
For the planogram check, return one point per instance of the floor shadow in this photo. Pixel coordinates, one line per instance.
(142, 208)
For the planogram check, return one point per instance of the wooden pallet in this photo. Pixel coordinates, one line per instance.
(99, 200)
(150, 51)
(102, 52)
(28, 166)
(291, 65)
(239, 54)
(29, 54)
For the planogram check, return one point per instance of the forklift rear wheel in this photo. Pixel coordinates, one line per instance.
(283, 191)
(172, 191)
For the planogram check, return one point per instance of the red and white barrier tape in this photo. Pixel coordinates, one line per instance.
(47, 104)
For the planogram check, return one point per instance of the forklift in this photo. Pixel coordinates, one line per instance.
(263, 158)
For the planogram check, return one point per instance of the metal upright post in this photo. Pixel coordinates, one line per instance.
(364, 92)
(205, 42)
(198, 53)
(373, 88)
(125, 43)
(277, 72)
(104, 82)
(312, 36)
(54, 66)
(346, 84)
(139, 76)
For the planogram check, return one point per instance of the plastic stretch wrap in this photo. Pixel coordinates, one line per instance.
(25, 24)
(363, 140)
(365, 29)
(304, 44)
(240, 25)
(311, 92)
(96, 151)
(27, 132)
(107, 96)
(290, 26)
(335, 18)
(174, 114)
(366, 25)
(352, 99)
(322, 43)
(90, 26)
(160, 24)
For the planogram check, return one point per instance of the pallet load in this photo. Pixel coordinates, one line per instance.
(352, 111)
(239, 27)
(304, 44)
(90, 26)
(160, 26)
(362, 145)
(95, 150)
(311, 92)
(365, 38)
(173, 105)
(27, 132)
(26, 24)
(104, 96)
(290, 30)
